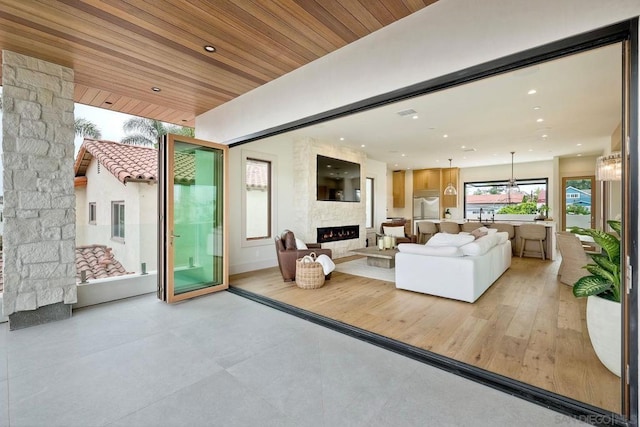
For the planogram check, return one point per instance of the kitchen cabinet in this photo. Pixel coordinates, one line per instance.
(449, 175)
(398, 189)
(426, 179)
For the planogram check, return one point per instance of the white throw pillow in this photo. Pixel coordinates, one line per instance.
(393, 231)
(480, 246)
(414, 248)
(445, 239)
(300, 244)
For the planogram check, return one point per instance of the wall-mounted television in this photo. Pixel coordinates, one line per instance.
(337, 180)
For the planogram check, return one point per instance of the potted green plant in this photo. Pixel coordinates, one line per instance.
(602, 288)
(544, 211)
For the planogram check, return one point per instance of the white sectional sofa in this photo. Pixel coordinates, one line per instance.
(457, 266)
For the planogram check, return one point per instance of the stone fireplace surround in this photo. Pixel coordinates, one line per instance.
(310, 213)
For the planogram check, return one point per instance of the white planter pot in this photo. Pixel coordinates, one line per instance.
(605, 331)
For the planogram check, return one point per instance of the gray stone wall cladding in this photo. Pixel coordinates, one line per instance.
(39, 198)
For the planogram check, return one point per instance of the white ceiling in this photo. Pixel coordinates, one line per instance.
(579, 96)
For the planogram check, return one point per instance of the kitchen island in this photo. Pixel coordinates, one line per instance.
(549, 243)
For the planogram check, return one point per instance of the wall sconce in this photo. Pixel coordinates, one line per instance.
(609, 167)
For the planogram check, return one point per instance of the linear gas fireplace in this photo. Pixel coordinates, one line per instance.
(333, 234)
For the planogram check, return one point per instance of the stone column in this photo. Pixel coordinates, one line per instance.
(39, 200)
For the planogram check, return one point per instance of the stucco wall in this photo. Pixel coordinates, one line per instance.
(140, 200)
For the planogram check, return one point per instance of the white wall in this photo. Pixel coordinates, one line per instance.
(260, 254)
(378, 171)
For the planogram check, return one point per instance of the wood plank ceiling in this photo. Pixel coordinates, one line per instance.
(120, 49)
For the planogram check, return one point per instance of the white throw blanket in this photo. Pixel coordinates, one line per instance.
(327, 264)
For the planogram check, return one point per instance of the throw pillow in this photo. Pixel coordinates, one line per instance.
(445, 251)
(445, 239)
(479, 232)
(300, 244)
(393, 231)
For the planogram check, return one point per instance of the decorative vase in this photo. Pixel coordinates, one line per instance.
(447, 216)
(604, 326)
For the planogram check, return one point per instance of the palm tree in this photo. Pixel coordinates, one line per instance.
(86, 128)
(146, 131)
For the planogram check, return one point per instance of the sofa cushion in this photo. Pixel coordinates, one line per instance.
(445, 251)
(480, 246)
(393, 231)
(445, 239)
(502, 236)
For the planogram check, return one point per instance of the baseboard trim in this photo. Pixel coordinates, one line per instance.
(564, 405)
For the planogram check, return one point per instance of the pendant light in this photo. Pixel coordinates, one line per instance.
(450, 190)
(609, 168)
(512, 187)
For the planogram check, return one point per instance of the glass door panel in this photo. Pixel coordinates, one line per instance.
(578, 205)
(193, 227)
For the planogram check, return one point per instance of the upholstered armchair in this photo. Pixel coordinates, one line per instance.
(397, 229)
(288, 252)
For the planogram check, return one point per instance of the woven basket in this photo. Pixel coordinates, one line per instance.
(309, 273)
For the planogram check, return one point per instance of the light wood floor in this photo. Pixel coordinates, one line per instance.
(527, 326)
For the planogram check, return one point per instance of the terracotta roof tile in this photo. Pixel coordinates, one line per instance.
(257, 175)
(98, 262)
(185, 168)
(125, 162)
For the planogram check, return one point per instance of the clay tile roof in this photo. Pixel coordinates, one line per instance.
(125, 162)
(257, 175)
(98, 262)
(185, 168)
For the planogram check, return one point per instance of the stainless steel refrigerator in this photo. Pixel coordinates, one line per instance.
(426, 205)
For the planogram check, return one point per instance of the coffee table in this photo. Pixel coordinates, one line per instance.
(385, 258)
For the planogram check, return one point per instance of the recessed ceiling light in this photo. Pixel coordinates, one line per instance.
(415, 117)
(408, 169)
(531, 92)
(341, 138)
(395, 164)
(463, 147)
(530, 149)
(445, 136)
(579, 155)
(578, 145)
(540, 120)
(209, 48)
(437, 161)
(362, 145)
(545, 135)
(156, 89)
(537, 107)
(328, 166)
